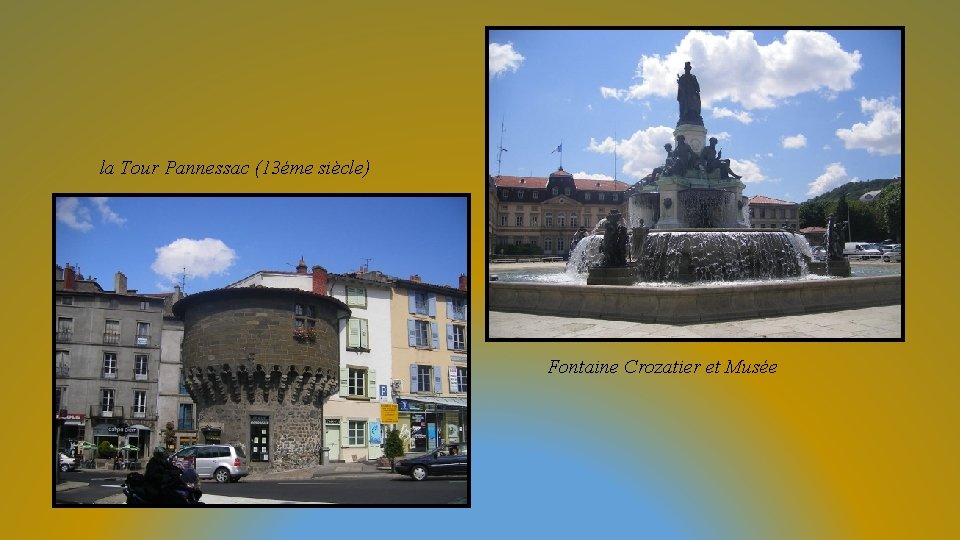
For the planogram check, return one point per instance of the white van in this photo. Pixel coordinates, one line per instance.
(861, 250)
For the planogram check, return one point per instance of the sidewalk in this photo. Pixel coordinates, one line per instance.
(867, 323)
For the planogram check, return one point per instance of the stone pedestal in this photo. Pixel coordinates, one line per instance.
(696, 136)
(612, 276)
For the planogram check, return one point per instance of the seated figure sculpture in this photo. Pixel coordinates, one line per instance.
(710, 160)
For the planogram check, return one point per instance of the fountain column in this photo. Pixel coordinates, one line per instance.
(696, 136)
(669, 207)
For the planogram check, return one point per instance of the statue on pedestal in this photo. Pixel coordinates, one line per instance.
(688, 96)
(614, 246)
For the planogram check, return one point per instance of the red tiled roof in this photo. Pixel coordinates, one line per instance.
(761, 199)
(518, 181)
(580, 183)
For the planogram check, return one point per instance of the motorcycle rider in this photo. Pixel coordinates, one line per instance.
(163, 484)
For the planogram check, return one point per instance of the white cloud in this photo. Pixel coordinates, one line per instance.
(503, 58)
(612, 93)
(640, 153)
(733, 67)
(106, 214)
(721, 135)
(73, 215)
(881, 135)
(200, 258)
(749, 170)
(833, 176)
(592, 176)
(794, 141)
(742, 116)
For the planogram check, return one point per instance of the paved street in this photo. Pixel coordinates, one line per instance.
(348, 488)
(867, 323)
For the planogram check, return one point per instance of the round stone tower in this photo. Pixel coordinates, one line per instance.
(259, 363)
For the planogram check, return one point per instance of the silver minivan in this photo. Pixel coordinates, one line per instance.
(222, 462)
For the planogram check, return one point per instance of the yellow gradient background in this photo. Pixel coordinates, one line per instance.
(847, 440)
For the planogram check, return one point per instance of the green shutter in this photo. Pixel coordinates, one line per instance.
(372, 384)
(364, 330)
(344, 435)
(344, 378)
(353, 333)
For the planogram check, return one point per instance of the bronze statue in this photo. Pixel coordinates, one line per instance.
(614, 246)
(688, 95)
(710, 159)
(683, 158)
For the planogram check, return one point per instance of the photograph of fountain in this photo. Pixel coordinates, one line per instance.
(677, 247)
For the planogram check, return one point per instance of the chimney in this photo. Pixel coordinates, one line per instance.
(302, 266)
(120, 283)
(69, 277)
(463, 282)
(319, 280)
(415, 278)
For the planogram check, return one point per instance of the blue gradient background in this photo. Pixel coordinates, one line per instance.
(847, 440)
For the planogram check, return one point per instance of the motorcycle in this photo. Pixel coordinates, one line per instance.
(187, 494)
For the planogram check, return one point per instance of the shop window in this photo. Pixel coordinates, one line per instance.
(259, 438)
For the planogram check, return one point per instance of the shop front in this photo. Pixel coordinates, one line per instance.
(430, 422)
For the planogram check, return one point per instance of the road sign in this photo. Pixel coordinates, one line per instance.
(389, 413)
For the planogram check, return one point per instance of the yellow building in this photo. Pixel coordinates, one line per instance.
(430, 362)
(547, 212)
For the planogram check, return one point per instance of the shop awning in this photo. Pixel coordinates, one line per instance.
(447, 401)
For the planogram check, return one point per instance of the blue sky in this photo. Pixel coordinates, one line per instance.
(223, 239)
(798, 112)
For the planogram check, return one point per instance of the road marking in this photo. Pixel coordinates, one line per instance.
(307, 483)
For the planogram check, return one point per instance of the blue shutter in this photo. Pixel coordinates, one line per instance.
(437, 380)
(414, 387)
(450, 337)
(411, 301)
(433, 305)
(450, 314)
(435, 334)
(411, 333)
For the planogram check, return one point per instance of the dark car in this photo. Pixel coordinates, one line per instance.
(450, 459)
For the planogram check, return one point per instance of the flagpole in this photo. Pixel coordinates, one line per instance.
(500, 149)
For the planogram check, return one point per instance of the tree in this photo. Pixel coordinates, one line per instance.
(813, 213)
(393, 447)
(889, 210)
(106, 450)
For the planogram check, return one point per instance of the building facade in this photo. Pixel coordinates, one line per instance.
(547, 212)
(770, 213)
(106, 363)
(431, 363)
(260, 364)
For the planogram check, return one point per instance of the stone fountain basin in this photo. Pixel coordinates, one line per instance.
(693, 304)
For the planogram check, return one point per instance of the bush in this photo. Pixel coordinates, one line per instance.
(105, 450)
(393, 447)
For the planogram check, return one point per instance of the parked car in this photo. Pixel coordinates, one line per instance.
(861, 250)
(68, 463)
(894, 255)
(222, 462)
(450, 459)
